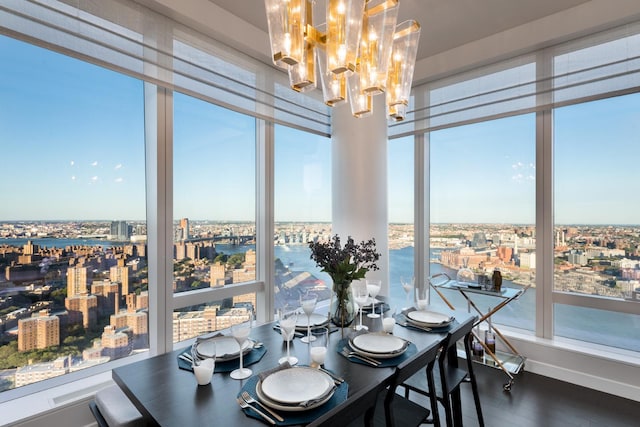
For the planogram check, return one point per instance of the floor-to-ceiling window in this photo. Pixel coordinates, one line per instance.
(596, 216)
(482, 199)
(401, 209)
(73, 288)
(302, 212)
(214, 226)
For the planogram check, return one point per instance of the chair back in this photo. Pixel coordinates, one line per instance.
(406, 369)
(360, 404)
(461, 331)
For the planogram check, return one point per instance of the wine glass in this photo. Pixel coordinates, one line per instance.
(422, 297)
(241, 332)
(373, 287)
(288, 317)
(308, 303)
(407, 286)
(361, 297)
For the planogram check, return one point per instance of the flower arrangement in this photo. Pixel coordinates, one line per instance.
(344, 264)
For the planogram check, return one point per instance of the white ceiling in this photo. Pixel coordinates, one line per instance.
(445, 24)
(456, 35)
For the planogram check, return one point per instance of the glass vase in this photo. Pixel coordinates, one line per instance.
(342, 308)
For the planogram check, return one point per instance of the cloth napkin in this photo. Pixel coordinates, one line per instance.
(298, 417)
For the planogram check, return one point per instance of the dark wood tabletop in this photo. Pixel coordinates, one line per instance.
(169, 396)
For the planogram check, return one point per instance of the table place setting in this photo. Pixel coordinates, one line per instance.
(226, 350)
(376, 349)
(291, 395)
(424, 320)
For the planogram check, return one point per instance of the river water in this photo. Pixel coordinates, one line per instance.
(597, 326)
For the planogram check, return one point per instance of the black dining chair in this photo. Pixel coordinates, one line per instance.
(394, 409)
(112, 408)
(358, 410)
(450, 375)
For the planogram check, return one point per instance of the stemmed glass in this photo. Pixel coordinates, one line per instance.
(241, 332)
(407, 286)
(361, 297)
(373, 287)
(308, 303)
(288, 317)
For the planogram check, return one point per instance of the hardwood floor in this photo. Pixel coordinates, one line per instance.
(537, 401)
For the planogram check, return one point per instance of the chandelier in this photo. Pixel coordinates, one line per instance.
(358, 53)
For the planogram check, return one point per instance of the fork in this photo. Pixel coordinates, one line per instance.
(249, 399)
(347, 354)
(245, 405)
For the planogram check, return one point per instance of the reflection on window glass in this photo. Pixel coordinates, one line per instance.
(302, 213)
(483, 209)
(214, 210)
(73, 289)
(400, 200)
(597, 220)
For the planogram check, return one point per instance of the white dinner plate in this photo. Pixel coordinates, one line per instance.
(291, 408)
(226, 348)
(381, 346)
(429, 318)
(295, 385)
(315, 320)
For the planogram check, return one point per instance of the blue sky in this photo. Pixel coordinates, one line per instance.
(72, 144)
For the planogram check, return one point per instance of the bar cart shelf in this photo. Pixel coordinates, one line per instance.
(510, 362)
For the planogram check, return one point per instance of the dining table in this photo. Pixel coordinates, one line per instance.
(167, 396)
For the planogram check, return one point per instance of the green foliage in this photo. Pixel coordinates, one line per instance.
(235, 260)
(222, 258)
(345, 264)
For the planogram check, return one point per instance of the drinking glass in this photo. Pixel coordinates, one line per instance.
(203, 368)
(389, 320)
(318, 348)
(422, 297)
(308, 303)
(241, 332)
(373, 286)
(288, 317)
(407, 286)
(361, 297)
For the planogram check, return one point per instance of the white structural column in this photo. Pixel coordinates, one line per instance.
(359, 180)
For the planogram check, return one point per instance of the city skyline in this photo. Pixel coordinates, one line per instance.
(89, 147)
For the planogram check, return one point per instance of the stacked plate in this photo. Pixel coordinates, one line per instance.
(295, 389)
(226, 348)
(315, 320)
(378, 346)
(428, 319)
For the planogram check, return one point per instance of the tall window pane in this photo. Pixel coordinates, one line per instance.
(401, 206)
(73, 289)
(302, 213)
(483, 209)
(597, 216)
(214, 211)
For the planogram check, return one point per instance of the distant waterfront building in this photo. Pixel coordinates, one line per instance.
(115, 343)
(108, 294)
(38, 332)
(182, 233)
(217, 275)
(527, 260)
(36, 372)
(77, 280)
(30, 249)
(82, 309)
(120, 273)
(577, 258)
(120, 231)
(505, 254)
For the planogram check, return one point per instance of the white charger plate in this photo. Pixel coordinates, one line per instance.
(379, 346)
(315, 320)
(290, 408)
(429, 318)
(294, 385)
(226, 348)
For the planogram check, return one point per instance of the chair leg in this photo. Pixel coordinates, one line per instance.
(476, 396)
(433, 399)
